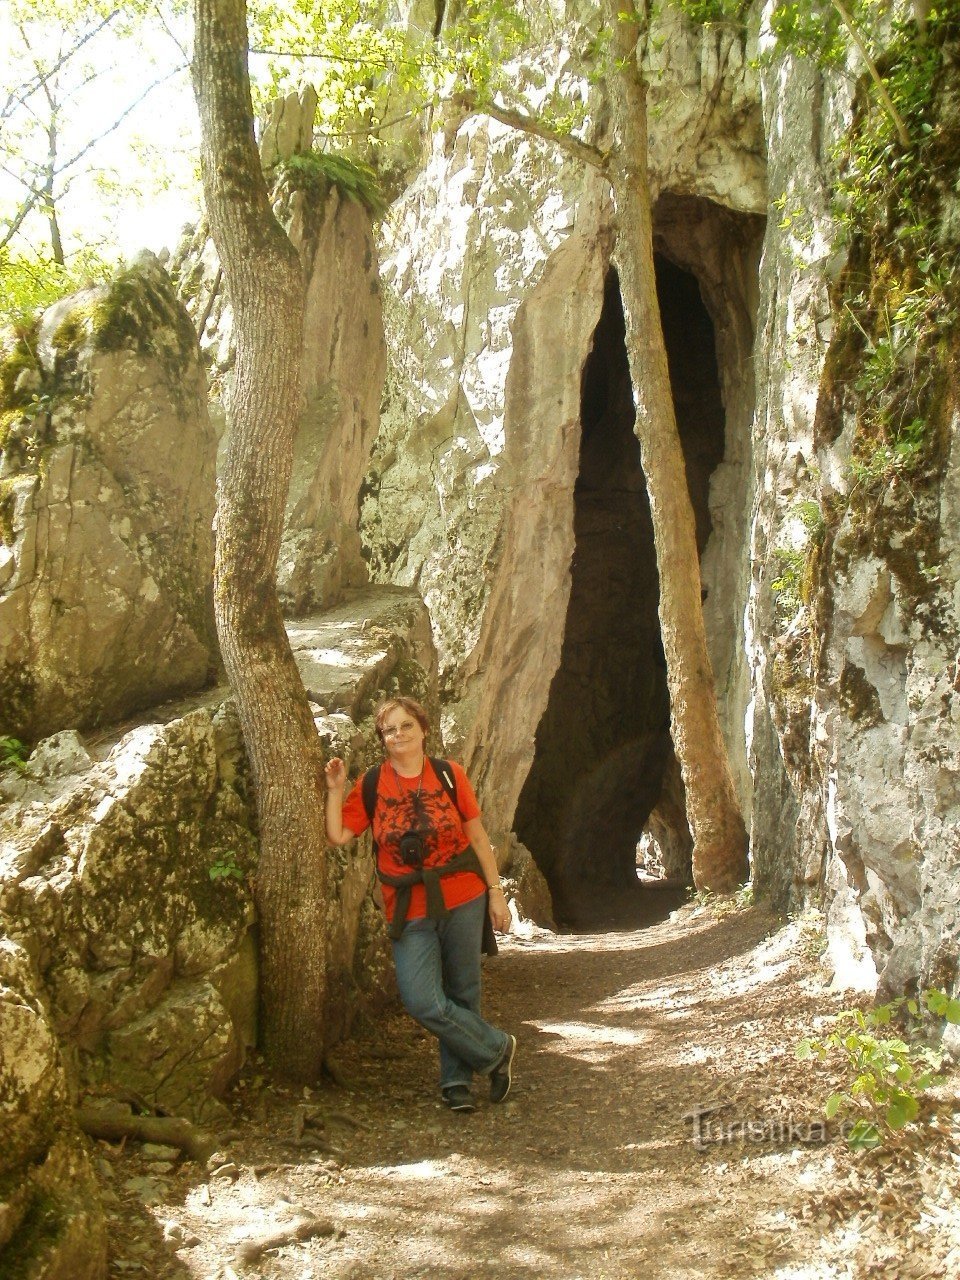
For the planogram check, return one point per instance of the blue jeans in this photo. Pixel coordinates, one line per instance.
(438, 973)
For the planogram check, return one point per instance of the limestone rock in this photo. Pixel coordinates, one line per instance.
(529, 891)
(344, 365)
(123, 878)
(288, 129)
(59, 756)
(107, 496)
(127, 887)
(51, 1218)
(379, 641)
(706, 126)
(495, 265)
(183, 1052)
(856, 707)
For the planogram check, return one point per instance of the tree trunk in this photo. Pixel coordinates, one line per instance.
(265, 280)
(713, 811)
(49, 178)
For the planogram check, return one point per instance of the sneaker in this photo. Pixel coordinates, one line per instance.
(458, 1098)
(500, 1075)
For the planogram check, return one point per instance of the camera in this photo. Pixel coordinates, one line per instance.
(411, 849)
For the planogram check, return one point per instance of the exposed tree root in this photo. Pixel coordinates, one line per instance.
(303, 1228)
(114, 1125)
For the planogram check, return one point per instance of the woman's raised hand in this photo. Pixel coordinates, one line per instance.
(336, 774)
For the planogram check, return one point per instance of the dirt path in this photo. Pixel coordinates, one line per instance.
(590, 1168)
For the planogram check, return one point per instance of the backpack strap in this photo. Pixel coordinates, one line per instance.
(448, 779)
(368, 793)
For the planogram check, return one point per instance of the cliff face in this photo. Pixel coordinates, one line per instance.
(829, 598)
(853, 603)
(343, 356)
(496, 264)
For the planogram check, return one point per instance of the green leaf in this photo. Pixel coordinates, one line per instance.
(901, 1111)
(864, 1136)
(834, 1103)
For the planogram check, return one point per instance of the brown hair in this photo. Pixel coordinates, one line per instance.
(410, 705)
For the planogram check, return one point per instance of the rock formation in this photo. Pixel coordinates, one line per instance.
(853, 621)
(503, 513)
(344, 356)
(129, 969)
(496, 268)
(107, 498)
(51, 1218)
(497, 271)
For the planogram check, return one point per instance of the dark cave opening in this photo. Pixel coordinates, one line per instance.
(604, 758)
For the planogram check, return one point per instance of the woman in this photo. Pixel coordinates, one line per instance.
(437, 870)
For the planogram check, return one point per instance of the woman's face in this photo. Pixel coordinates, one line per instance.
(402, 734)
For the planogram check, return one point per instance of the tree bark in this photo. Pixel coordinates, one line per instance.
(713, 810)
(265, 280)
(49, 198)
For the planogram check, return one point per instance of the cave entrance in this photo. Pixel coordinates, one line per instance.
(604, 759)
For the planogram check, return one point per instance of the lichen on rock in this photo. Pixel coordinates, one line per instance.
(107, 468)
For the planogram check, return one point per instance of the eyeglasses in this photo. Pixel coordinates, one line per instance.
(393, 730)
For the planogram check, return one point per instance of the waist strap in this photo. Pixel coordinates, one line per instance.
(437, 909)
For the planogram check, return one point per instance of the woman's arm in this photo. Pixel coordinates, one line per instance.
(499, 911)
(335, 773)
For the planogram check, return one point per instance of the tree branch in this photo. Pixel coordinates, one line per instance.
(17, 221)
(903, 132)
(20, 96)
(519, 120)
(362, 60)
(68, 164)
(373, 128)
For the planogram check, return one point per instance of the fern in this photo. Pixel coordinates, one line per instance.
(356, 180)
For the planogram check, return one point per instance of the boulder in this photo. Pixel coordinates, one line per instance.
(127, 883)
(106, 508)
(52, 1224)
(527, 889)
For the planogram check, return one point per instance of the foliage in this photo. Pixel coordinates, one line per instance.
(66, 98)
(31, 282)
(13, 753)
(786, 585)
(897, 300)
(886, 1074)
(792, 586)
(724, 904)
(357, 181)
(370, 72)
(812, 30)
(714, 12)
(226, 867)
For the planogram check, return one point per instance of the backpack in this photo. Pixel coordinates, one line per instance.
(371, 780)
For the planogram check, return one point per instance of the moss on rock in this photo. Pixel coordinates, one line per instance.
(20, 357)
(858, 697)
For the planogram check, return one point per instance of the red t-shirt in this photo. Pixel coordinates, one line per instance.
(434, 816)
